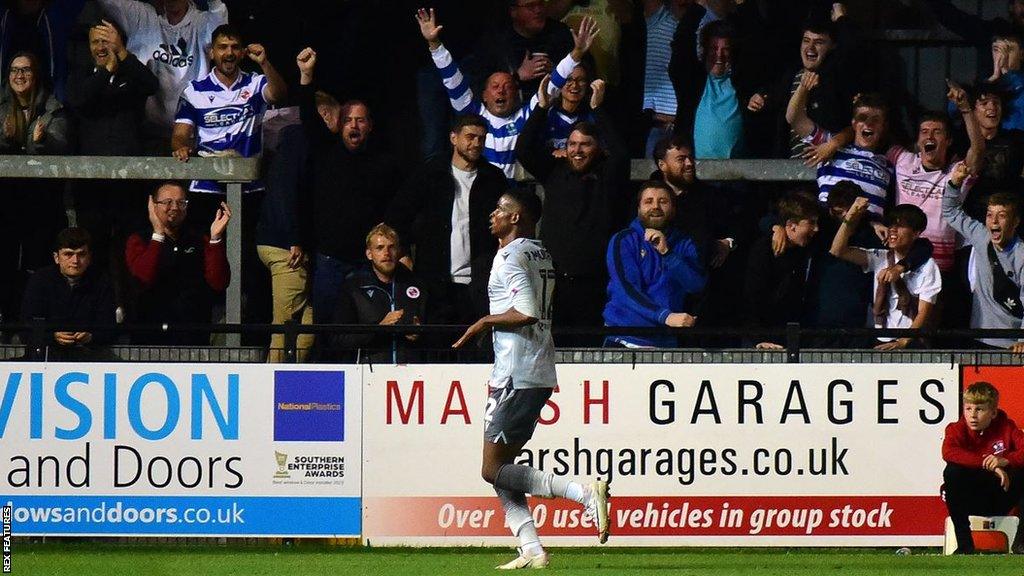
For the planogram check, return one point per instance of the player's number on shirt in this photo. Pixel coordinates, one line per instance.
(545, 305)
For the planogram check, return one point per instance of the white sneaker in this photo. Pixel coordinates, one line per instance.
(536, 562)
(597, 508)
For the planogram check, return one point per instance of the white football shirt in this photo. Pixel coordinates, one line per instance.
(522, 277)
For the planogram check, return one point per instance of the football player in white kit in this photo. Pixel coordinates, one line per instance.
(520, 287)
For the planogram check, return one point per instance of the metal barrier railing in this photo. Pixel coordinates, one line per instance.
(798, 344)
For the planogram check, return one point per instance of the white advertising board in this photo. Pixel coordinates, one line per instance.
(181, 449)
(745, 454)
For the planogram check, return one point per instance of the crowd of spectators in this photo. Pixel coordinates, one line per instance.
(388, 131)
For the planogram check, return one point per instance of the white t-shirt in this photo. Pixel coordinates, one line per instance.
(461, 270)
(175, 54)
(522, 277)
(925, 283)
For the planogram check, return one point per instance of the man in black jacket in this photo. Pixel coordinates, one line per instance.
(386, 294)
(352, 185)
(442, 212)
(70, 291)
(774, 286)
(108, 100)
(529, 46)
(585, 202)
(832, 49)
(716, 220)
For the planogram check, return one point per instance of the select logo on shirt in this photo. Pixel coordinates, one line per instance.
(309, 406)
(227, 116)
(174, 55)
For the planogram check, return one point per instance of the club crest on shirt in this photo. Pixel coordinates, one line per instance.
(245, 94)
(412, 292)
(998, 447)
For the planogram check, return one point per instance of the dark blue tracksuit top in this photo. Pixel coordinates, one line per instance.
(644, 287)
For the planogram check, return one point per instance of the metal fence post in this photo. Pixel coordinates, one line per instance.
(233, 311)
(792, 343)
(291, 338)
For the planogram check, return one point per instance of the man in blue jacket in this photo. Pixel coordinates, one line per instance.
(652, 268)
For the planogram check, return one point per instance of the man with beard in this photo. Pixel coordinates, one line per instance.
(225, 109)
(353, 182)
(387, 294)
(500, 104)
(653, 268)
(172, 41)
(707, 217)
(714, 220)
(996, 265)
(443, 212)
(583, 201)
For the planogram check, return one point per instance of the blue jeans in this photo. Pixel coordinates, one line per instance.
(328, 276)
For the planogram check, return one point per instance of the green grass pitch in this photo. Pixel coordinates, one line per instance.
(84, 559)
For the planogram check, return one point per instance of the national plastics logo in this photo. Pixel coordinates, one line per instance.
(309, 406)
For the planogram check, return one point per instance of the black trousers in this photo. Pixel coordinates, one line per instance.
(976, 492)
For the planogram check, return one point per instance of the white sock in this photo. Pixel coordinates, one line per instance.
(576, 492)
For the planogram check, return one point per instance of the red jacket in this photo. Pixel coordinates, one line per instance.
(968, 448)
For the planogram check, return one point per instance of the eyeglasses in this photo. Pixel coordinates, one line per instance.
(24, 70)
(167, 203)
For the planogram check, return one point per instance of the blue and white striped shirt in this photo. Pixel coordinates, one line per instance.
(502, 132)
(658, 92)
(870, 170)
(560, 126)
(226, 118)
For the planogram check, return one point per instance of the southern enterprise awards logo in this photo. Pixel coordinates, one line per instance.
(316, 469)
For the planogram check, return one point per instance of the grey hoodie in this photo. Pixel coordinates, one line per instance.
(985, 311)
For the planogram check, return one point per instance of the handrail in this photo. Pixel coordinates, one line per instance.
(130, 168)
